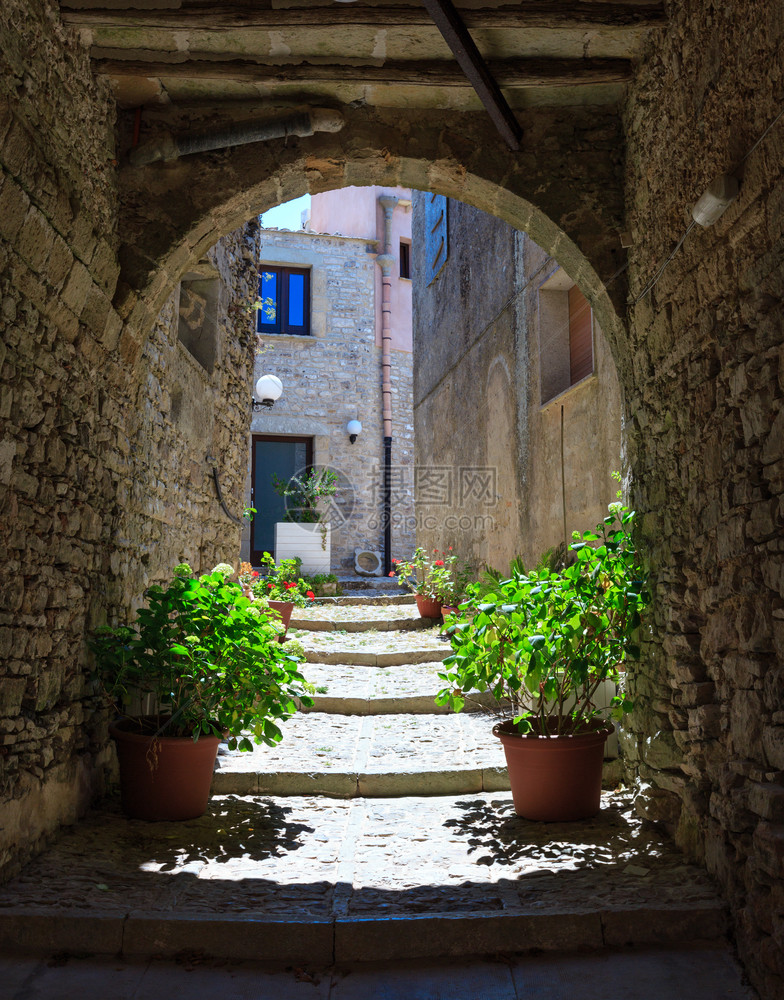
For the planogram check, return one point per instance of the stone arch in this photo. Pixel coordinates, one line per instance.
(566, 193)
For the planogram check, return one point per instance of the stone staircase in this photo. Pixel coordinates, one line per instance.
(379, 829)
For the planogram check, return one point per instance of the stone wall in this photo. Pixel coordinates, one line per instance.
(482, 431)
(333, 376)
(100, 481)
(63, 399)
(707, 449)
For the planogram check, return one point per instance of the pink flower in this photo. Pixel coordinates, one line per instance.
(392, 573)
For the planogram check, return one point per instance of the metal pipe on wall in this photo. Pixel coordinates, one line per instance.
(304, 123)
(386, 261)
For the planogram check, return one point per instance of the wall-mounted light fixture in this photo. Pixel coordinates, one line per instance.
(353, 428)
(268, 389)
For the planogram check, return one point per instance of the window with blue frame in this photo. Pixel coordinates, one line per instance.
(284, 294)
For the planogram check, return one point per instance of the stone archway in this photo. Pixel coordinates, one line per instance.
(571, 205)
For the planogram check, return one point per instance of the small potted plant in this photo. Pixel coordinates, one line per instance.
(544, 644)
(428, 578)
(281, 588)
(305, 532)
(199, 663)
(452, 584)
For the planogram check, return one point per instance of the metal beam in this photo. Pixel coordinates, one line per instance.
(470, 60)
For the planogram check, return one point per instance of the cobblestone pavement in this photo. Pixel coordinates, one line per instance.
(341, 680)
(314, 856)
(376, 836)
(359, 617)
(371, 647)
(373, 744)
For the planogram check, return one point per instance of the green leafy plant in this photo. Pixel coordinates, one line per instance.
(323, 584)
(303, 494)
(200, 658)
(544, 641)
(282, 582)
(438, 576)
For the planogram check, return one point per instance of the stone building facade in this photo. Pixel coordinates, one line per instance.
(92, 247)
(491, 334)
(333, 374)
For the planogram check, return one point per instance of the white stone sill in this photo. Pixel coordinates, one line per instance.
(577, 385)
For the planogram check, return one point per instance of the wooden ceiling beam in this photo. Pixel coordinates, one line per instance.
(543, 72)
(526, 14)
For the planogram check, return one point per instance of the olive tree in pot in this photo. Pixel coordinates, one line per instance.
(543, 644)
(200, 663)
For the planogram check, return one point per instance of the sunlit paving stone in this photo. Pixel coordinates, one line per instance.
(277, 856)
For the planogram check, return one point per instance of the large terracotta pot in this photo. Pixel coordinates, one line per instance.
(165, 777)
(428, 607)
(284, 609)
(555, 778)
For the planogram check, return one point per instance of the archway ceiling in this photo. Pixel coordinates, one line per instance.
(277, 53)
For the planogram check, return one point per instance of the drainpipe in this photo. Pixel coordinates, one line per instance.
(386, 261)
(304, 123)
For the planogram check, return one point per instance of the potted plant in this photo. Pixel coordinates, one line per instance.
(281, 588)
(199, 663)
(304, 532)
(430, 578)
(452, 581)
(544, 643)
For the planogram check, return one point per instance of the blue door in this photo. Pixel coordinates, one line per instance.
(272, 456)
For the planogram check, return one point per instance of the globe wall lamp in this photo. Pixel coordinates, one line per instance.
(268, 389)
(353, 429)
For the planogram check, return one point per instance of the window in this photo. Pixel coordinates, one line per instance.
(580, 336)
(565, 335)
(405, 260)
(285, 300)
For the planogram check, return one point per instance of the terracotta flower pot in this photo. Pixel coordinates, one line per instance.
(428, 607)
(448, 609)
(555, 778)
(284, 609)
(163, 778)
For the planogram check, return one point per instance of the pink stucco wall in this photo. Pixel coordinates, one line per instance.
(356, 211)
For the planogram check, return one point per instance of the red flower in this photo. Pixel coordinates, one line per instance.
(288, 586)
(395, 561)
(439, 562)
(392, 573)
(310, 594)
(270, 586)
(254, 574)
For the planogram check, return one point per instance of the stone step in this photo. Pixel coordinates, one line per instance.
(388, 618)
(355, 582)
(704, 972)
(342, 689)
(372, 648)
(371, 599)
(317, 881)
(346, 756)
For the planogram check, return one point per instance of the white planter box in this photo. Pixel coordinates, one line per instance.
(304, 541)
